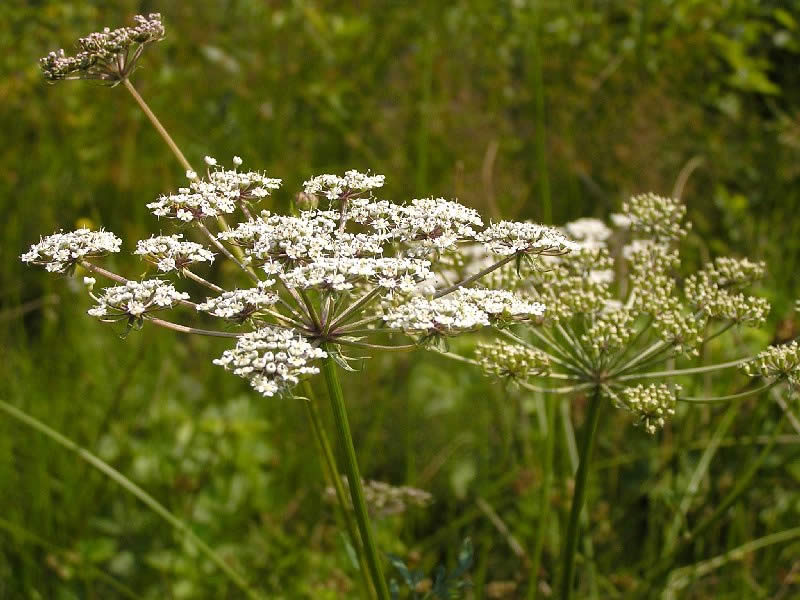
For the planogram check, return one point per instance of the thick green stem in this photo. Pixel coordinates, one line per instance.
(334, 479)
(135, 490)
(551, 407)
(354, 476)
(587, 445)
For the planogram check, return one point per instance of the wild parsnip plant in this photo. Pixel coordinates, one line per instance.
(345, 274)
(620, 316)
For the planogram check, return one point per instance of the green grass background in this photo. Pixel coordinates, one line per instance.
(442, 98)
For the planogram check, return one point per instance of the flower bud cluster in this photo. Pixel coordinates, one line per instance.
(653, 403)
(465, 309)
(134, 299)
(272, 360)
(171, 252)
(102, 53)
(712, 290)
(384, 499)
(511, 361)
(218, 194)
(61, 251)
(656, 217)
(240, 305)
(609, 332)
(777, 362)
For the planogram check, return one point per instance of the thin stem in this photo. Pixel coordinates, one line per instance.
(331, 472)
(197, 279)
(103, 272)
(218, 245)
(475, 277)
(562, 390)
(570, 366)
(192, 330)
(581, 477)
(400, 348)
(679, 372)
(311, 311)
(712, 399)
(719, 332)
(544, 498)
(157, 124)
(353, 474)
(341, 318)
(133, 489)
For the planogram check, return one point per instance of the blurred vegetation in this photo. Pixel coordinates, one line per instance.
(672, 96)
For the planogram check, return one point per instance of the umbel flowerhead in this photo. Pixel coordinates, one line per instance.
(621, 305)
(107, 55)
(355, 272)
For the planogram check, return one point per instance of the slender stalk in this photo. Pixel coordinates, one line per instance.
(204, 282)
(103, 272)
(219, 246)
(353, 475)
(711, 399)
(475, 277)
(335, 480)
(341, 318)
(562, 390)
(578, 498)
(679, 372)
(400, 348)
(311, 311)
(192, 330)
(544, 498)
(133, 489)
(157, 124)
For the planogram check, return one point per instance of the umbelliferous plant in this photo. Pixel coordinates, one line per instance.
(625, 326)
(345, 273)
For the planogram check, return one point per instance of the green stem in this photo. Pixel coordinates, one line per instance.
(544, 499)
(135, 490)
(587, 445)
(335, 479)
(353, 475)
(157, 124)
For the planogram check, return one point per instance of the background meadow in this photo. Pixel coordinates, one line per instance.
(528, 110)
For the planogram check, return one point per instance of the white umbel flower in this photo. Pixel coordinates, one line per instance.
(589, 233)
(334, 187)
(512, 237)
(135, 299)
(239, 305)
(170, 252)
(463, 310)
(219, 194)
(273, 360)
(60, 251)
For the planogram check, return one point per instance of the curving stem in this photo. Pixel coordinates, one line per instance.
(578, 498)
(353, 475)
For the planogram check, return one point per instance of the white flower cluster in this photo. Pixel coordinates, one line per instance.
(60, 251)
(340, 274)
(219, 194)
(511, 361)
(512, 237)
(656, 217)
(334, 187)
(653, 403)
(171, 252)
(777, 362)
(273, 360)
(100, 52)
(426, 224)
(465, 309)
(589, 233)
(384, 499)
(135, 299)
(240, 305)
